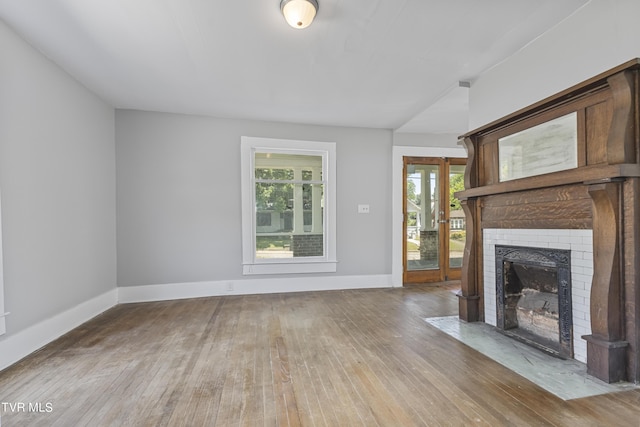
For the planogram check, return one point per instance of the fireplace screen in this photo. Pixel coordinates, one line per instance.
(533, 291)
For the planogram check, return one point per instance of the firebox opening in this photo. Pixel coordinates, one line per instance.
(531, 304)
(533, 296)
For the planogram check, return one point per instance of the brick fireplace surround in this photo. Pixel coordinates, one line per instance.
(594, 207)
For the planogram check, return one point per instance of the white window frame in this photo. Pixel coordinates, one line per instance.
(320, 264)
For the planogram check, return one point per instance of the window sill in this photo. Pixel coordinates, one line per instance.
(290, 268)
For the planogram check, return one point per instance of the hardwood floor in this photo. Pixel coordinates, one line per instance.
(338, 358)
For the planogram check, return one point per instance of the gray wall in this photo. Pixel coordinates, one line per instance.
(57, 182)
(598, 37)
(178, 196)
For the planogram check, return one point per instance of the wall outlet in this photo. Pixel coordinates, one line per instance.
(229, 286)
(363, 209)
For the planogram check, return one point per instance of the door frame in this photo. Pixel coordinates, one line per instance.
(444, 271)
(433, 274)
(398, 154)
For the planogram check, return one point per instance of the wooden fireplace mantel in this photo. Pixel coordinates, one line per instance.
(602, 193)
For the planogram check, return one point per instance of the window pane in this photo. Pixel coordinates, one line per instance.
(457, 232)
(273, 246)
(289, 220)
(274, 174)
(423, 206)
(274, 197)
(278, 166)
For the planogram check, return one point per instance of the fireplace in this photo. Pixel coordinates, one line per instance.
(596, 187)
(533, 297)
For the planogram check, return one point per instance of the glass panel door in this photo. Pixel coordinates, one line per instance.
(433, 219)
(422, 229)
(457, 230)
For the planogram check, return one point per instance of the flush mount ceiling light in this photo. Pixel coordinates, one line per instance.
(299, 13)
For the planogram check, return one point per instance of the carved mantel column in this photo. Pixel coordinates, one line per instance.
(606, 346)
(623, 135)
(469, 298)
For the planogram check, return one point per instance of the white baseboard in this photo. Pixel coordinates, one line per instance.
(169, 291)
(15, 347)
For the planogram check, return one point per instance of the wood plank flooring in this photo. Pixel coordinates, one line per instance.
(338, 358)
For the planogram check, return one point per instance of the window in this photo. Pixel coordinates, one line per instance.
(288, 206)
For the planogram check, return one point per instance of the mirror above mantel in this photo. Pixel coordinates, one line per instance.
(549, 147)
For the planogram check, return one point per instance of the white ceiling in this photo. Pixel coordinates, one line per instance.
(391, 64)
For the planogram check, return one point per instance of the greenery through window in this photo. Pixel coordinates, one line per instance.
(289, 191)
